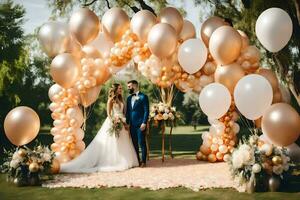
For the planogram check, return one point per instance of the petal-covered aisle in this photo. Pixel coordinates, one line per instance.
(187, 173)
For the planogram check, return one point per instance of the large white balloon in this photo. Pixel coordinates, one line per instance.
(192, 55)
(274, 29)
(253, 95)
(215, 100)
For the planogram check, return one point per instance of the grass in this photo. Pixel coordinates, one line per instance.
(185, 142)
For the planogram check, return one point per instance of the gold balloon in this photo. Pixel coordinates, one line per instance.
(91, 52)
(102, 74)
(229, 75)
(90, 96)
(188, 31)
(225, 45)
(84, 25)
(141, 23)
(21, 125)
(162, 40)
(34, 167)
(281, 124)
(270, 76)
(277, 160)
(172, 16)
(115, 22)
(55, 166)
(54, 38)
(258, 122)
(245, 39)
(209, 26)
(212, 158)
(209, 68)
(64, 70)
(252, 54)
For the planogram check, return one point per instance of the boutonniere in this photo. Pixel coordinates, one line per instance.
(137, 98)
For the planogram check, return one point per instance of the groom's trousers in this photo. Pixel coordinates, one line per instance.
(139, 140)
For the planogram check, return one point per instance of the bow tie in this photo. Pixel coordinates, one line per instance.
(134, 94)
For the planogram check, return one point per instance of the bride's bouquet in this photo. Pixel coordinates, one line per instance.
(117, 125)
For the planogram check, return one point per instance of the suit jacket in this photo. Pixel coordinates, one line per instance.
(139, 113)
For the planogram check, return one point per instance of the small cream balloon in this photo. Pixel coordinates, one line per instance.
(192, 55)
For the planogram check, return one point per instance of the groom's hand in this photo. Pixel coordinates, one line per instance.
(143, 127)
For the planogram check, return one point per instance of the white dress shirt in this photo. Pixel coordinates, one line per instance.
(134, 98)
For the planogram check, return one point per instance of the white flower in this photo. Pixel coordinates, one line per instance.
(46, 157)
(173, 109)
(165, 116)
(278, 169)
(14, 164)
(172, 117)
(167, 110)
(256, 168)
(161, 108)
(152, 114)
(237, 161)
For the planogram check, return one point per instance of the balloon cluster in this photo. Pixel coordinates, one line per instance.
(68, 118)
(86, 52)
(253, 90)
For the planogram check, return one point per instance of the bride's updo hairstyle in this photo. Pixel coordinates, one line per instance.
(113, 93)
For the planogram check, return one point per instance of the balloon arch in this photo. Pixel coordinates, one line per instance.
(222, 65)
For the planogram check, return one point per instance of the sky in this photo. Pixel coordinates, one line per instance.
(38, 12)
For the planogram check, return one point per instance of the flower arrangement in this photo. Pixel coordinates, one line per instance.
(254, 160)
(24, 166)
(163, 112)
(117, 125)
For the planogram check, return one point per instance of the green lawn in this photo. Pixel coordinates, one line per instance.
(185, 141)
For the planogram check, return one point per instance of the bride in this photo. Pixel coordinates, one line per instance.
(108, 151)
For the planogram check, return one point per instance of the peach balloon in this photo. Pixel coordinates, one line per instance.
(91, 52)
(80, 145)
(54, 38)
(79, 134)
(162, 40)
(281, 124)
(245, 39)
(62, 157)
(115, 22)
(84, 25)
(141, 23)
(229, 75)
(21, 125)
(251, 53)
(188, 31)
(209, 26)
(102, 74)
(172, 16)
(75, 113)
(212, 158)
(205, 150)
(54, 90)
(64, 70)
(270, 76)
(209, 68)
(55, 147)
(90, 96)
(225, 45)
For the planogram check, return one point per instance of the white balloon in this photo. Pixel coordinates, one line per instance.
(192, 55)
(102, 43)
(274, 29)
(253, 95)
(215, 100)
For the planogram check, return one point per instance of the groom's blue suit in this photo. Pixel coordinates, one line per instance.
(135, 116)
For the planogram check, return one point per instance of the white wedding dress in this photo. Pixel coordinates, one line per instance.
(106, 152)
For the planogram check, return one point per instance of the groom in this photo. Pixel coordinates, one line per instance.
(137, 112)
